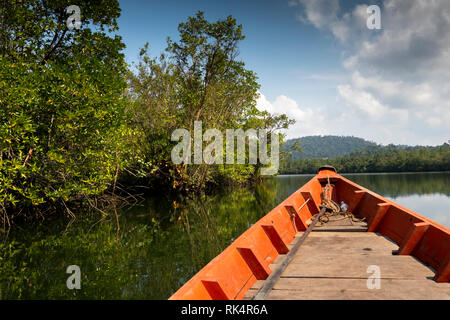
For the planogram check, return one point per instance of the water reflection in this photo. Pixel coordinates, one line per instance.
(398, 184)
(163, 242)
(433, 206)
(425, 193)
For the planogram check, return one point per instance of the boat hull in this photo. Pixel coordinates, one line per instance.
(233, 272)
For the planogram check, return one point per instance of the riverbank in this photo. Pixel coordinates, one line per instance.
(417, 159)
(163, 242)
(78, 121)
(364, 173)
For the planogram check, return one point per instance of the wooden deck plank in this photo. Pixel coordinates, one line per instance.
(355, 228)
(403, 268)
(339, 289)
(343, 243)
(333, 265)
(342, 225)
(394, 291)
(341, 234)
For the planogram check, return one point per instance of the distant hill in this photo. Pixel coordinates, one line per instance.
(389, 158)
(379, 149)
(327, 146)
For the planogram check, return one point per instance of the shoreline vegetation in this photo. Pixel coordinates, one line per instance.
(362, 173)
(82, 130)
(377, 159)
(160, 243)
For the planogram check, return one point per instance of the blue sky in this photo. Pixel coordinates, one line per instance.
(317, 61)
(277, 47)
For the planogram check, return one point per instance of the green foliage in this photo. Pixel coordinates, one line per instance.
(380, 159)
(74, 120)
(198, 79)
(326, 146)
(161, 245)
(62, 105)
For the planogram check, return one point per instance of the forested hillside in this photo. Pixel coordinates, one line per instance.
(326, 146)
(380, 159)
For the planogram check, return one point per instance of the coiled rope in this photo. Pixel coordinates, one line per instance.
(333, 210)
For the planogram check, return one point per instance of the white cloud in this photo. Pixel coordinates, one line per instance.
(307, 120)
(366, 103)
(363, 101)
(399, 77)
(327, 15)
(320, 13)
(415, 39)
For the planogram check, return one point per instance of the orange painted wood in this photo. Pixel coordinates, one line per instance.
(259, 269)
(312, 204)
(261, 246)
(303, 211)
(275, 238)
(382, 209)
(281, 219)
(413, 238)
(357, 196)
(237, 268)
(443, 274)
(196, 291)
(434, 250)
(214, 289)
(297, 221)
(396, 224)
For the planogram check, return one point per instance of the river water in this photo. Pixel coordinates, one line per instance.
(163, 242)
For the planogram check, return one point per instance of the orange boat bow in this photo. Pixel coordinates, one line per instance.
(247, 259)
